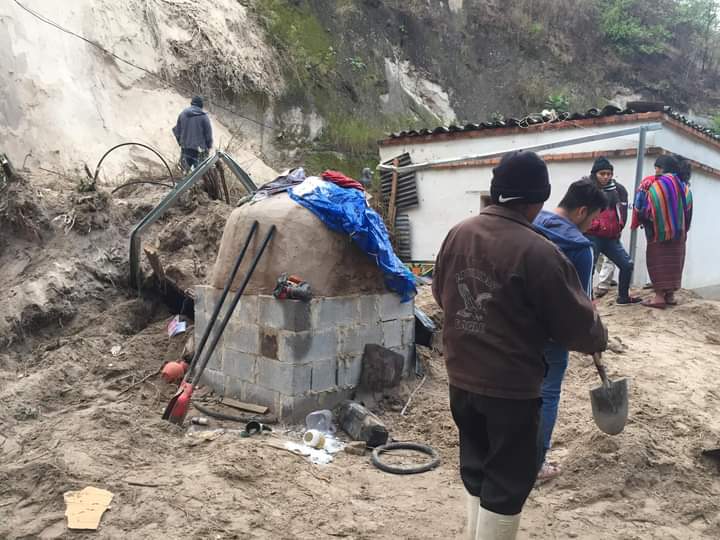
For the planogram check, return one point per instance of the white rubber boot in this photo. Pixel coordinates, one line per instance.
(492, 526)
(473, 505)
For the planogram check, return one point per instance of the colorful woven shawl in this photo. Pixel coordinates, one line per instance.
(666, 203)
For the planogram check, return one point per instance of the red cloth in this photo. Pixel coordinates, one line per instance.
(665, 262)
(341, 180)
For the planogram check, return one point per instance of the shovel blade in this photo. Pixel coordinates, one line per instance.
(177, 409)
(610, 406)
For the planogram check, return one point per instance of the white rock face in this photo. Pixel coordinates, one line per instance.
(410, 90)
(64, 102)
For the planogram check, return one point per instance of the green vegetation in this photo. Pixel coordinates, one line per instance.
(298, 33)
(642, 27)
(559, 102)
(715, 124)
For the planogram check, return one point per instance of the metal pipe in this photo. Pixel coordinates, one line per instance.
(535, 148)
(158, 154)
(244, 178)
(638, 178)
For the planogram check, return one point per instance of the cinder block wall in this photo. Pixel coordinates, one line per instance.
(295, 357)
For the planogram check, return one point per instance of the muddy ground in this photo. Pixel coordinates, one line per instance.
(75, 338)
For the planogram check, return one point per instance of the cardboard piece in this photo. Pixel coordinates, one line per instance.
(250, 407)
(86, 507)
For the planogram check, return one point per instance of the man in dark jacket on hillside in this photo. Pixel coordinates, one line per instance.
(607, 228)
(193, 133)
(505, 292)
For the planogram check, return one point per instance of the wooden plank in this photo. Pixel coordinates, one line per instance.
(392, 204)
(241, 405)
(155, 263)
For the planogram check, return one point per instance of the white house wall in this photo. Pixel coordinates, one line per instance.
(447, 196)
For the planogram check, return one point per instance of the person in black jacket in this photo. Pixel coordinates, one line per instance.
(193, 133)
(607, 228)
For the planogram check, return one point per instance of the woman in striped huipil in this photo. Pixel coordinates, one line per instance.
(663, 207)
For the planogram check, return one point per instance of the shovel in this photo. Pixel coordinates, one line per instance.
(177, 407)
(609, 401)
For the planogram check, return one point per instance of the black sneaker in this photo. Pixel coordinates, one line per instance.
(629, 300)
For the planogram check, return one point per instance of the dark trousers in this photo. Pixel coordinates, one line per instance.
(614, 250)
(501, 448)
(189, 158)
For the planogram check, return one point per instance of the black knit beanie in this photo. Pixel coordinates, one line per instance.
(601, 164)
(197, 101)
(668, 164)
(520, 177)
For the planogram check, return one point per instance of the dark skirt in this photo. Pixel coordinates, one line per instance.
(665, 262)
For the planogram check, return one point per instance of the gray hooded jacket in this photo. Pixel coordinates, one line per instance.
(193, 129)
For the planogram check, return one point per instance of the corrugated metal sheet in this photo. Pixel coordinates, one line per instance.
(407, 196)
(633, 108)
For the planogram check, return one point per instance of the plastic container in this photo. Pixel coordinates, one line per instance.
(314, 438)
(321, 421)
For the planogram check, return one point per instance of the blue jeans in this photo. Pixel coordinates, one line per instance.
(614, 250)
(556, 358)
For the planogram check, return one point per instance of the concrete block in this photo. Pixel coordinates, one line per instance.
(234, 388)
(246, 311)
(381, 368)
(391, 307)
(302, 347)
(369, 308)
(254, 393)
(352, 339)
(392, 333)
(216, 360)
(284, 314)
(408, 354)
(215, 380)
(201, 321)
(408, 331)
(324, 374)
(286, 378)
(334, 311)
(269, 343)
(294, 409)
(242, 338)
(349, 370)
(239, 365)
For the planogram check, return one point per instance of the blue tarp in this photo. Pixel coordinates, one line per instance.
(345, 210)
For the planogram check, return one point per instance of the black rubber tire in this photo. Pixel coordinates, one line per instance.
(423, 448)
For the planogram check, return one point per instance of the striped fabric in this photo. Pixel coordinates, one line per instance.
(665, 202)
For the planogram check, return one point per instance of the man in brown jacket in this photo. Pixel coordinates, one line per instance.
(505, 291)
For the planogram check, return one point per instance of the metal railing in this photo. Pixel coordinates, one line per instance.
(181, 187)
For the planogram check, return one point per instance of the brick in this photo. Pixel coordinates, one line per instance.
(239, 365)
(246, 311)
(352, 339)
(392, 333)
(254, 393)
(215, 380)
(324, 375)
(200, 294)
(369, 308)
(307, 346)
(391, 308)
(408, 331)
(242, 338)
(284, 314)
(333, 311)
(349, 370)
(289, 379)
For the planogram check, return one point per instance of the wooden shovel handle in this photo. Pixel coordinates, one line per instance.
(597, 358)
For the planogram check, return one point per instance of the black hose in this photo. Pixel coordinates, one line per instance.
(150, 148)
(414, 469)
(233, 418)
(126, 184)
